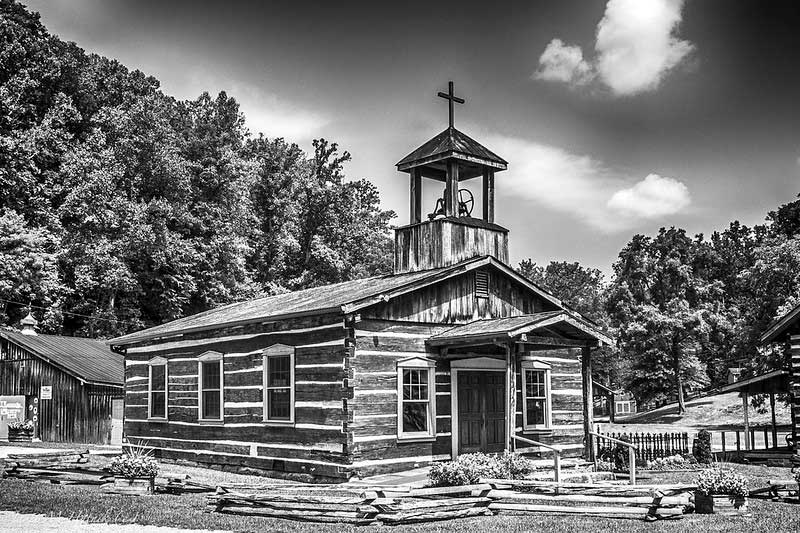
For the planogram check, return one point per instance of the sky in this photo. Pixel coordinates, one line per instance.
(616, 117)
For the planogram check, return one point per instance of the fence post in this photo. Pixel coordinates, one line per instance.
(738, 442)
(632, 465)
(722, 434)
(556, 466)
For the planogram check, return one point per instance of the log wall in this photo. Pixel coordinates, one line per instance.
(315, 447)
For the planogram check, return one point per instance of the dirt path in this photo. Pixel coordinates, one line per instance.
(24, 523)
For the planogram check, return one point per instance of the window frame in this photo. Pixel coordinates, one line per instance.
(210, 357)
(278, 350)
(157, 361)
(417, 363)
(538, 366)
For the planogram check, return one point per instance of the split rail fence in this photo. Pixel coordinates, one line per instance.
(401, 505)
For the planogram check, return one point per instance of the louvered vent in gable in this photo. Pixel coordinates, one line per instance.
(481, 284)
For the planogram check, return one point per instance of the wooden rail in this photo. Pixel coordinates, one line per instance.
(631, 455)
(556, 454)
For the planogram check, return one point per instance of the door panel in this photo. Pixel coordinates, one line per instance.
(481, 411)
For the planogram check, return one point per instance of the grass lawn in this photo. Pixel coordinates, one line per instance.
(188, 511)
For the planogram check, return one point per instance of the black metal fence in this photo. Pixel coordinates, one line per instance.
(650, 445)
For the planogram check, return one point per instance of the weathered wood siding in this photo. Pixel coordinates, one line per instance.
(379, 345)
(314, 447)
(566, 402)
(441, 242)
(77, 412)
(453, 301)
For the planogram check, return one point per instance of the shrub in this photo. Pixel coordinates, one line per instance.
(469, 468)
(17, 425)
(604, 466)
(135, 462)
(701, 447)
(719, 481)
(673, 462)
(617, 455)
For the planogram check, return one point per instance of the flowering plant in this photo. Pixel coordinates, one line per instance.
(673, 462)
(719, 481)
(24, 425)
(468, 468)
(135, 462)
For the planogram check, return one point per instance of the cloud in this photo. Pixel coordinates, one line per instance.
(583, 187)
(274, 117)
(563, 63)
(636, 46)
(653, 197)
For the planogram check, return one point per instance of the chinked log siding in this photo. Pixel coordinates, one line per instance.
(78, 412)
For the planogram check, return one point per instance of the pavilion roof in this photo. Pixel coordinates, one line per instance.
(451, 143)
(776, 381)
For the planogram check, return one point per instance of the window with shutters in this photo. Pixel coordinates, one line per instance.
(210, 389)
(481, 284)
(157, 389)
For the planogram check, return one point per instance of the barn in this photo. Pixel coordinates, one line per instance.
(71, 388)
(454, 352)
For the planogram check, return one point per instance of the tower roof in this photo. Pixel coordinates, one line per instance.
(452, 143)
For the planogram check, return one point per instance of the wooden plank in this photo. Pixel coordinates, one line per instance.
(599, 511)
(587, 498)
(411, 517)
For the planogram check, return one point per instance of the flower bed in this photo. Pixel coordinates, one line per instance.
(469, 468)
(673, 463)
(20, 431)
(134, 472)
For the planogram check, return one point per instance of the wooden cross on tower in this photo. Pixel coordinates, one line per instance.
(452, 98)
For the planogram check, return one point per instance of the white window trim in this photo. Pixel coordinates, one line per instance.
(537, 365)
(157, 361)
(417, 363)
(205, 358)
(278, 350)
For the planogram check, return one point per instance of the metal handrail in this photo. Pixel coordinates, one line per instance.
(556, 454)
(631, 456)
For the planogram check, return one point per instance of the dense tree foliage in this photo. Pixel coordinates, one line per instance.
(121, 207)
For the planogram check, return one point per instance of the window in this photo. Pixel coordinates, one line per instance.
(536, 395)
(416, 395)
(623, 407)
(481, 284)
(157, 389)
(210, 378)
(279, 384)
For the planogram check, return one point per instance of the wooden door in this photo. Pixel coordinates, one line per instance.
(117, 414)
(481, 411)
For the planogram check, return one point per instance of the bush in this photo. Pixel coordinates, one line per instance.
(701, 447)
(469, 468)
(617, 455)
(673, 462)
(135, 462)
(719, 481)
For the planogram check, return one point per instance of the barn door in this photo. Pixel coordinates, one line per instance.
(117, 410)
(481, 411)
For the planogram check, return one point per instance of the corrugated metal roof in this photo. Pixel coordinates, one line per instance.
(89, 360)
(780, 326)
(452, 140)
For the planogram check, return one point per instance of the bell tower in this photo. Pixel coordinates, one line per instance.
(450, 234)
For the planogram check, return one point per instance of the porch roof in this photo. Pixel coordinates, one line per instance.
(558, 328)
(776, 381)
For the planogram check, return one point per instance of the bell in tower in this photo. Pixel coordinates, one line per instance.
(450, 234)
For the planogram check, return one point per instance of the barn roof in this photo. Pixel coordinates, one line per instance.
(88, 360)
(451, 142)
(346, 297)
(561, 322)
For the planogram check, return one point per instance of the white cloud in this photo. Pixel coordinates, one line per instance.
(636, 46)
(583, 187)
(274, 117)
(564, 63)
(653, 197)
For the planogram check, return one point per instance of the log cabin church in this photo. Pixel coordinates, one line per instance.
(455, 352)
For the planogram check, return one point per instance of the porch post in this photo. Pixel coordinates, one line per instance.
(588, 403)
(746, 421)
(511, 396)
(774, 423)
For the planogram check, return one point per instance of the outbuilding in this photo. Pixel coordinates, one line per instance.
(71, 388)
